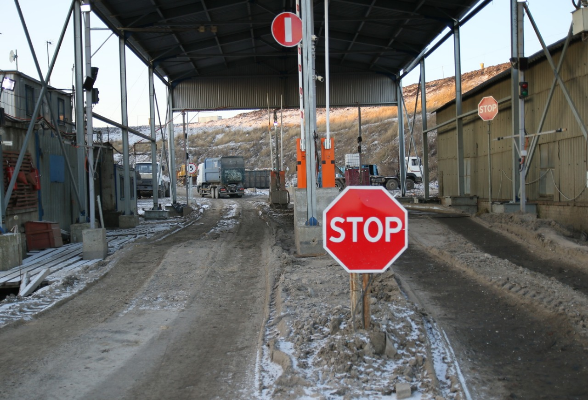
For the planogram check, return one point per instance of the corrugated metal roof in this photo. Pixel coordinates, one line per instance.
(204, 38)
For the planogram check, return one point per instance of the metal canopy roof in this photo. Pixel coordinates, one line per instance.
(186, 39)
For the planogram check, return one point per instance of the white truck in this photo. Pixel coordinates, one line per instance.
(413, 173)
(145, 182)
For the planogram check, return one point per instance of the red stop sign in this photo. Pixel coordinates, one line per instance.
(488, 108)
(287, 29)
(365, 229)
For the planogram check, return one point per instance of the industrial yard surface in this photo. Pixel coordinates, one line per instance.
(219, 306)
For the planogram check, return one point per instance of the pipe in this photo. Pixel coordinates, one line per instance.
(401, 144)
(155, 171)
(125, 122)
(424, 123)
(171, 146)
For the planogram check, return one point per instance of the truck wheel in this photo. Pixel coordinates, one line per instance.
(339, 185)
(409, 184)
(391, 184)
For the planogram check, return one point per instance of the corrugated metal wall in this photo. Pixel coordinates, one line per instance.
(57, 199)
(252, 92)
(570, 148)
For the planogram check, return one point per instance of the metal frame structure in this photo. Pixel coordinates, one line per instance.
(180, 41)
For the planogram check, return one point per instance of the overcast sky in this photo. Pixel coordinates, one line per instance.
(485, 39)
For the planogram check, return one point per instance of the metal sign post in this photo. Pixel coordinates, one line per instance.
(487, 110)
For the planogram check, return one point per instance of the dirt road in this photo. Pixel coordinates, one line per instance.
(224, 308)
(176, 318)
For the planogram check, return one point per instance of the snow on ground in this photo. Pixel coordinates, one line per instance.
(64, 285)
(312, 350)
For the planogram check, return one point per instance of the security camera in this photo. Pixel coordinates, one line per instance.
(320, 78)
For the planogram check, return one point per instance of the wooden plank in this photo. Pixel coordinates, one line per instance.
(36, 281)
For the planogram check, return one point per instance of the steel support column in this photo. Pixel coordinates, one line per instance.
(522, 149)
(514, 79)
(458, 107)
(89, 124)
(425, 169)
(171, 145)
(401, 160)
(154, 170)
(79, 108)
(125, 123)
(309, 111)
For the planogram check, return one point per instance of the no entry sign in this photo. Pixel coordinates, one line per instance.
(488, 108)
(287, 29)
(365, 229)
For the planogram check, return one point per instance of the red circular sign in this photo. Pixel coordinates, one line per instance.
(365, 229)
(287, 29)
(488, 108)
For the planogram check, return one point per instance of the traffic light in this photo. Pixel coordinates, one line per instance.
(523, 90)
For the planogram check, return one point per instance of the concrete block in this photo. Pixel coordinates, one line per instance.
(156, 214)
(75, 232)
(513, 208)
(403, 391)
(95, 245)
(449, 201)
(128, 221)
(10, 251)
(309, 239)
(186, 210)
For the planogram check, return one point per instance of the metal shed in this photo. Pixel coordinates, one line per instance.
(558, 170)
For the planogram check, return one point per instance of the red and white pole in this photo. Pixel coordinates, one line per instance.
(300, 90)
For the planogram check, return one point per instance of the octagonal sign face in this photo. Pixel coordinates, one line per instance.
(365, 229)
(488, 108)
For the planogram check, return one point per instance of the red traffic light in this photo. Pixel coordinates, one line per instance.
(523, 89)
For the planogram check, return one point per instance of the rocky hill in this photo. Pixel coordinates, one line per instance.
(247, 134)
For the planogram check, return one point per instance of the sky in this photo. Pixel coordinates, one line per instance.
(484, 39)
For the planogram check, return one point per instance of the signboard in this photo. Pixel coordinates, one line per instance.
(191, 168)
(287, 29)
(365, 229)
(488, 108)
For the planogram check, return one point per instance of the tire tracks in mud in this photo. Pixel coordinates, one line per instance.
(517, 333)
(123, 338)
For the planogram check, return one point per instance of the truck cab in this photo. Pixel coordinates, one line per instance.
(146, 182)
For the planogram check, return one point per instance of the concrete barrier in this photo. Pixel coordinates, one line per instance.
(309, 239)
(10, 251)
(95, 245)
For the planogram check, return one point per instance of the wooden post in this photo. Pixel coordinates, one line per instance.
(355, 293)
(366, 301)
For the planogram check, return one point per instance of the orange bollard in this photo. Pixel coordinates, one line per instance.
(300, 166)
(328, 163)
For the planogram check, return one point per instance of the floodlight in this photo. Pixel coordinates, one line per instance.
(8, 84)
(86, 7)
